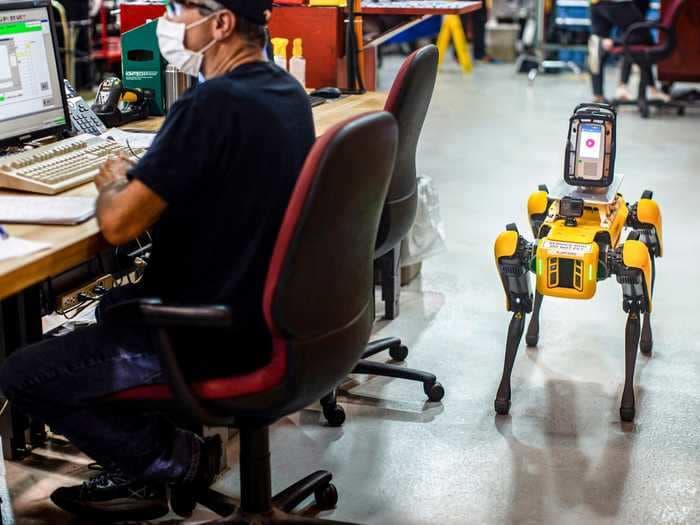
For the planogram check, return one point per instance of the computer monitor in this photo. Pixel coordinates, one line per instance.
(32, 100)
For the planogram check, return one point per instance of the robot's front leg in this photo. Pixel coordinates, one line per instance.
(513, 254)
(633, 266)
(645, 218)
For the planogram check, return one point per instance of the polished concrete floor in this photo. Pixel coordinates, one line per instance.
(562, 456)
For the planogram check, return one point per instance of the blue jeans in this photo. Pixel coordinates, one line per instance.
(61, 379)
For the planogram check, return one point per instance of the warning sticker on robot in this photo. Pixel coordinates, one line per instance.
(590, 139)
(570, 249)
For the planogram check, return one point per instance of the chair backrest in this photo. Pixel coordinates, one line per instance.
(318, 294)
(408, 101)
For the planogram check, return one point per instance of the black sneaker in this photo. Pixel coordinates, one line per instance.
(184, 496)
(110, 496)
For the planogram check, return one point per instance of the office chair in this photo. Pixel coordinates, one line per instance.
(647, 55)
(318, 307)
(408, 101)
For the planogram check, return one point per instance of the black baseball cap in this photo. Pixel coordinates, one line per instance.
(253, 10)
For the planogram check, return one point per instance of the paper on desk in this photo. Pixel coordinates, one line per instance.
(135, 140)
(33, 209)
(16, 247)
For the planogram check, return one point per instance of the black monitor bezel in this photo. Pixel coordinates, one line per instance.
(61, 128)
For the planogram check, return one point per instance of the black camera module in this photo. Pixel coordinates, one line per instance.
(571, 209)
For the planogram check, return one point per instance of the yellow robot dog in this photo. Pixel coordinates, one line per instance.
(578, 229)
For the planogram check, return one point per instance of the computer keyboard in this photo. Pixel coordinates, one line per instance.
(59, 166)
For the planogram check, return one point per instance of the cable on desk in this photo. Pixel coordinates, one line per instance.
(131, 150)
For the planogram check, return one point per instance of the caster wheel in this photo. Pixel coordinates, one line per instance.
(627, 414)
(644, 110)
(182, 503)
(681, 111)
(435, 392)
(646, 347)
(502, 406)
(335, 415)
(398, 353)
(326, 497)
(532, 340)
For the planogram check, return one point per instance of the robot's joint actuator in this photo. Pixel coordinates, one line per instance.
(513, 254)
(645, 217)
(632, 265)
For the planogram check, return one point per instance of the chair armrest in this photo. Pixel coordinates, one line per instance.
(155, 313)
(642, 26)
(158, 317)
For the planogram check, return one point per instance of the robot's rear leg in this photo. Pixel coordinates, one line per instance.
(533, 329)
(627, 408)
(515, 334)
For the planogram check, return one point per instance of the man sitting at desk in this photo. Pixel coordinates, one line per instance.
(214, 187)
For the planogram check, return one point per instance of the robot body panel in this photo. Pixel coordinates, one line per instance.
(649, 217)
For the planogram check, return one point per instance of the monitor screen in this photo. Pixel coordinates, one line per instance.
(31, 97)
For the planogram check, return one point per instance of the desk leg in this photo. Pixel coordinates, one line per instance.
(20, 325)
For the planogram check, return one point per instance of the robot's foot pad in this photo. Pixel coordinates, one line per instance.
(502, 406)
(627, 414)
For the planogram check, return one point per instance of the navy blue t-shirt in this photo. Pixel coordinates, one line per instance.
(225, 161)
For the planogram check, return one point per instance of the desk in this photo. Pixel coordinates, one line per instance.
(20, 311)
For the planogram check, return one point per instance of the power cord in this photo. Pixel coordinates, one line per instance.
(355, 83)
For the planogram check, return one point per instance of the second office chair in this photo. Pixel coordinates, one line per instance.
(408, 101)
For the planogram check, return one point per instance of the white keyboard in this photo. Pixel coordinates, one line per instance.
(59, 166)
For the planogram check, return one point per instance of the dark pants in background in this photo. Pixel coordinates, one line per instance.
(478, 31)
(606, 15)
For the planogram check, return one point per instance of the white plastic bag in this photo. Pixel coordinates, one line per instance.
(427, 235)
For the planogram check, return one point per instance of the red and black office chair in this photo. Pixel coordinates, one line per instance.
(408, 101)
(318, 306)
(647, 55)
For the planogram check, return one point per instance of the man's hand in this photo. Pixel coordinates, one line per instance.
(112, 171)
(124, 209)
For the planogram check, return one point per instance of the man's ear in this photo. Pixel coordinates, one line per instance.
(225, 25)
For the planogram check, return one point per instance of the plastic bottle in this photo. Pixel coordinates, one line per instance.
(297, 64)
(280, 49)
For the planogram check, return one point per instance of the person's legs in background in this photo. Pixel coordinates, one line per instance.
(478, 33)
(623, 15)
(601, 27)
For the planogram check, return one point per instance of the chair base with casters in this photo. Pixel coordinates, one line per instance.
(643, 104)
(335, 414)
(257, 505)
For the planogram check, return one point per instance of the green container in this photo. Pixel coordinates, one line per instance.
(143, 66)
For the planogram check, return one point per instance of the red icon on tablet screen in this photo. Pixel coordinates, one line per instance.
(590, 143)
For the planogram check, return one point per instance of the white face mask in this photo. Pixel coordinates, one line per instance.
(171, 40)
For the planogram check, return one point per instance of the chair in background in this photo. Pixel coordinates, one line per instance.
(647, 55)
(318, 306)
(408, 101)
